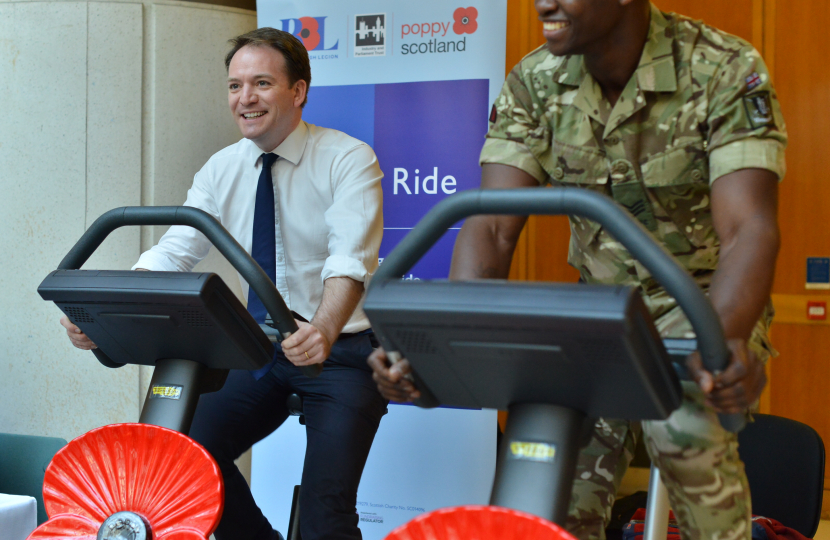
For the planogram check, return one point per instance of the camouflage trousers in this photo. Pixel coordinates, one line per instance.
(698, 461)
(697, 458)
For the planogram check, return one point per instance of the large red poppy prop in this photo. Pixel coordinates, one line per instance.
(159, 474)
(479, 523)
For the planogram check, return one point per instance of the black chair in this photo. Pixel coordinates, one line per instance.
(785, 466)
(23, 462)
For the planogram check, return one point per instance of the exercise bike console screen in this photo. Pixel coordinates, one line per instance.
(491, 344)
(142, 317)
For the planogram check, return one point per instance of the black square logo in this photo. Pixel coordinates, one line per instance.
(370, 35)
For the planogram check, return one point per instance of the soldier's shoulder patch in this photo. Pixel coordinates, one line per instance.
(759, 109)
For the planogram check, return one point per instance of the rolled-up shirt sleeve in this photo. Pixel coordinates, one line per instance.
(181, 247)
(355, 218)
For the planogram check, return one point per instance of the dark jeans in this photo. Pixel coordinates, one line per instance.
(342, 411)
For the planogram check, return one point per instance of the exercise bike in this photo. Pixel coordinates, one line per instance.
(149, 480)
(556, 356)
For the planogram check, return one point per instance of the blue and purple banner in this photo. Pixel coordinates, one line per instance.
(427, 136)
(414, 80)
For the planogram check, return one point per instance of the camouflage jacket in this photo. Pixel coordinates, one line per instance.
(700, 105)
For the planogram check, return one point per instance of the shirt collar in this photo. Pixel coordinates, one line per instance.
(655, 72)
(291, 149)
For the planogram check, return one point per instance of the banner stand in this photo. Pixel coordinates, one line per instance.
(416, 82)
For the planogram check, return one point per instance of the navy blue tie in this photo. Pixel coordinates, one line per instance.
(264, 243)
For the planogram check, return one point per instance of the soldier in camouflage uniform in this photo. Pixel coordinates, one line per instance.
(695, 106)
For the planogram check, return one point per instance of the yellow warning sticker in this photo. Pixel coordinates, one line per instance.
(532, 451)
(166, 392)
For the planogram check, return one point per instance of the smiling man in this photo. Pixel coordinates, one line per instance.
(677, 122)
(307, 204)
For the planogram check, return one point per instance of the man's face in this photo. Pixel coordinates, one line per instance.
(577, 26)
(264, 104)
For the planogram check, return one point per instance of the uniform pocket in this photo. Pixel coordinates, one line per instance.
(584, 167)
(688, 164)
(678, 182)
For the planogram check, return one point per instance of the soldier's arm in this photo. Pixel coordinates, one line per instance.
(744, 212)
(485, 244)
(745, 216)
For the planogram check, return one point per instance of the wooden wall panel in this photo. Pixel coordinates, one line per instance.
(524, 31)
(733, 16)
(801, 374)
(803, 85)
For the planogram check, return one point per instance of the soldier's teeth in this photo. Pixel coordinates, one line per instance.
(253, 114)
(554, 26)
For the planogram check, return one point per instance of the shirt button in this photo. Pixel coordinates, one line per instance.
(276, 221)
(279, 258)
(612, 140)
(696, 174)
(558, 173)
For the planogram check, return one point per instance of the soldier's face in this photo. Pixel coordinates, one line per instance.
(577, 26)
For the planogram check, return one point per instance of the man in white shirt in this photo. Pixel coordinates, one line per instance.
(327, 214)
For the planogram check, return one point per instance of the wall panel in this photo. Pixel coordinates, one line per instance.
(104, 103)
(801, 374)
(803, 86)
(734, 16)
(49, 174)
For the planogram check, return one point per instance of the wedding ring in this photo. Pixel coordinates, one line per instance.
(307, 356)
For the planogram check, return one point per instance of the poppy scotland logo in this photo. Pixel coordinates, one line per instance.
(464, 23)
(465, 20)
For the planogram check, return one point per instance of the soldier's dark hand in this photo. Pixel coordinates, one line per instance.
(391, 379)
(735, 388)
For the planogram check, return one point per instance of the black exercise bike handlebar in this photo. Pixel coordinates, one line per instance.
(590, 205)
(256, 277)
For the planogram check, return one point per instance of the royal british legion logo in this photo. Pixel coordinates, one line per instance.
(311, 31)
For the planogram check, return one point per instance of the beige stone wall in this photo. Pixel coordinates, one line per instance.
(103, 104)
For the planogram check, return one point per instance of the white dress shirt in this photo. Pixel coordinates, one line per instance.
(328, 209)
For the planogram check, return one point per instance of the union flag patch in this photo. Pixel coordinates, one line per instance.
(753, 81)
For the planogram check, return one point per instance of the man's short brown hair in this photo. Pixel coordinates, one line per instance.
(296, 57)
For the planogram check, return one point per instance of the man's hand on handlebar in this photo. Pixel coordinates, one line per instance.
(307, 346)
(76, 336)
(738, 386)
(392, 379)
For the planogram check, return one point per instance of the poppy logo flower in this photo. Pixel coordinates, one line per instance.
(465, 20)
(163, 476)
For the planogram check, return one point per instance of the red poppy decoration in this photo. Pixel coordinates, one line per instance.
(481, 522)
(160, 474)
(465, 20)
(310, 34)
